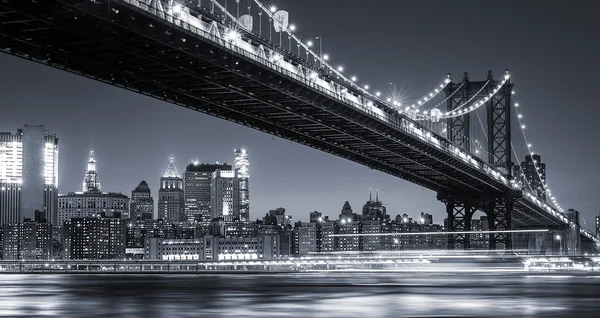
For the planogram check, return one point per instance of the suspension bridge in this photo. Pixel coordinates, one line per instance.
(243, 61)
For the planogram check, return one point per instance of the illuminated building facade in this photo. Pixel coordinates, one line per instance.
(196, 185)
(242, 165)
(27, 241)
(224, 197)
(211, 248)
(304, 238)
(171, 204)
(28, 174)
(93, 238)
(91, 181)
(91, 202)
(374, 210)
(532, 171)
(142, 203)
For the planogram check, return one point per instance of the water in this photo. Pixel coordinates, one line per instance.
(341, 294)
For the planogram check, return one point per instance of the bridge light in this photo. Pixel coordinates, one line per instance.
(520, 116)
(354, 78)
(340, 68)
(366, 86)
(522, 126)
(313, 75)
(326, 57)
(273, 9)
(177, 9)
(309, 43)
(516, 104)
(292, 27)
(377, 94)
(389, 100)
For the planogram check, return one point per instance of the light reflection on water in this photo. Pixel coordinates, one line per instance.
(341, 295)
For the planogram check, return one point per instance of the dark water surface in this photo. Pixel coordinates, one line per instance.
(346, 294)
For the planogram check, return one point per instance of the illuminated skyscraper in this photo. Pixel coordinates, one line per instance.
(242, 166)
(196, 186)
(28, 174)
(91, 202)
(91, 182)
(225, 191)
(171, 206)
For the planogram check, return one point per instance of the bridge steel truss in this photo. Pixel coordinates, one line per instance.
(116, 43)
(499, 208)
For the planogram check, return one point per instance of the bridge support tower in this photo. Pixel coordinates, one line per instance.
(460, 210)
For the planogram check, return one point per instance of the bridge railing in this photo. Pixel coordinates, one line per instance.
(302, 73)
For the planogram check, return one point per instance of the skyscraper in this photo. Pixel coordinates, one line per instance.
(225, 192)
(171, 207)
(142, 203)
(374, 210)
(526, 173)
(197, 182)
(28, 174)
(91, 202)
(91, 182)
(242, 166)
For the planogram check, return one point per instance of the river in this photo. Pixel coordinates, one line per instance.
(338, 294)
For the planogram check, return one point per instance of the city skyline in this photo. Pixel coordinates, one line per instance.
(67, 101)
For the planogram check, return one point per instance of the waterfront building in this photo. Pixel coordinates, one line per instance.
(304, 238)
(351, 243)
(325, 241)
(92, 238)
(142, 203)
(28, 240)
(373, 242)
(28, 174)
(171, 204)
(197, 190)
(212, 248)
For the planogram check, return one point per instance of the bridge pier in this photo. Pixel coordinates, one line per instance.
(499, 211)
(460, 210)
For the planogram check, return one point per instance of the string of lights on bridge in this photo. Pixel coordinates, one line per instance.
(432, 115)
(522, 127)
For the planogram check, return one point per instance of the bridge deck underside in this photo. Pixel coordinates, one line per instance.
(141, 54)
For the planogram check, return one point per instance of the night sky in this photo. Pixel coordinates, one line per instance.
(551, 48)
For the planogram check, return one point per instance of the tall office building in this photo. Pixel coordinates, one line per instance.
(242, 165)
(91, 182)
(196, 186)
(347, 213)
(91, 201)
(142, 203)
(374, 210)
(526, 173)
(171, 206)
(28, 174)
(224, 195)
